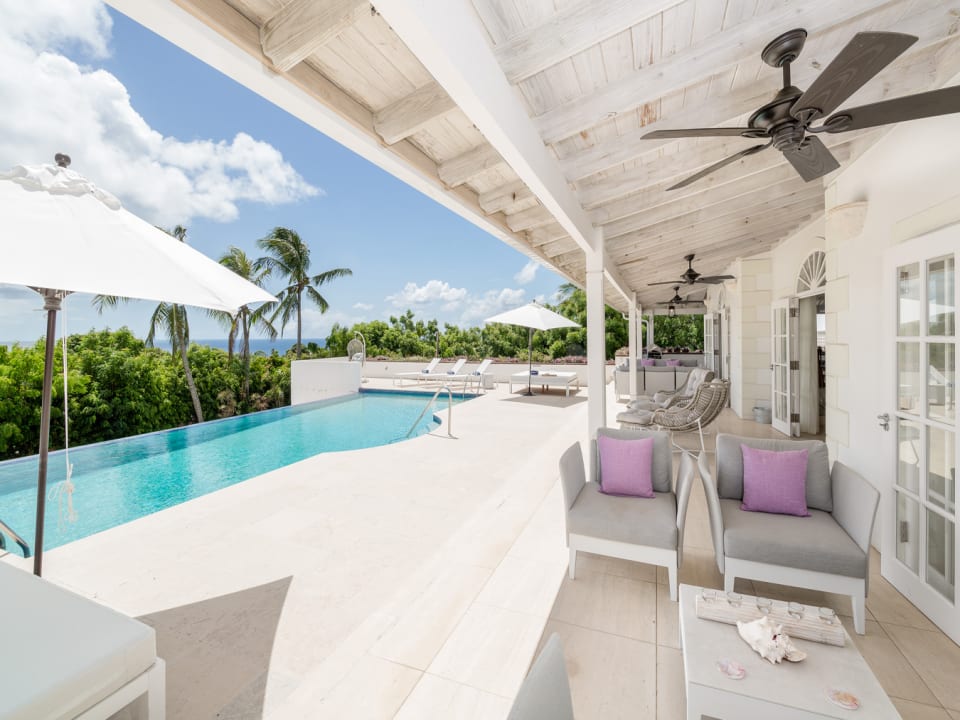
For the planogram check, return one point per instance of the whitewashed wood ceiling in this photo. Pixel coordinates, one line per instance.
(593, 77)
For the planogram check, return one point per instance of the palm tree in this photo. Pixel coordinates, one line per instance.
(172, 320)
(289, 257)
(245, 319)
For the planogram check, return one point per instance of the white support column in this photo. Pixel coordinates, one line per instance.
(632, 344)
(650, 331)
(596, 340)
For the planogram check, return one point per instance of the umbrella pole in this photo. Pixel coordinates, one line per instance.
(51, 305)
(529, 359)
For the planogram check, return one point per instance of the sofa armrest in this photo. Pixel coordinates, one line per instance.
(572, 475)
(713, 508)
(684, 484)
(855, 504)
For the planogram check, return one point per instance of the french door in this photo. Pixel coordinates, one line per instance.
(920, 549)
(708, 340)
(785, 384)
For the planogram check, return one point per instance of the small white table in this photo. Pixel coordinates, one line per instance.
(544, 379)
(789, 691)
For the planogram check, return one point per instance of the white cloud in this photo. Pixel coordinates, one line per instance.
(480, 307)
(527, 273)
(366, 307)
(317, 324)
(434, 291)
(55, 104)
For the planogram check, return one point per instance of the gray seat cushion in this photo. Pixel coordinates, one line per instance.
(808, 543)
(819, 489)
(638, 417)
(638, 521)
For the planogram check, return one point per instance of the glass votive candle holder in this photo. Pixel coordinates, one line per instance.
(828, 615)
(764, 605)
(795, 610)
(708, 595)
(734, 599)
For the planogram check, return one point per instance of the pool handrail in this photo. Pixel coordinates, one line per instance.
(6, 529)
(427, 407)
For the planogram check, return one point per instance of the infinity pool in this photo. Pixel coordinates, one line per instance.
(122, 480)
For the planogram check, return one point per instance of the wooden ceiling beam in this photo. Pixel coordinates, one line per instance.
(631, 182)
(746, 204)
(712, 55)
(727, 107)
(406, 116)
(505, 196)
(659, 204)
(570, 31)
(535, 217)
(456, 171)
(301, 27)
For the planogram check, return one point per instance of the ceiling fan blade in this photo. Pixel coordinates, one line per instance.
(912, 107)
(716, 166)
(667, 282)
(704, 132)
(812, 159)
(864, 56)
(714, 279)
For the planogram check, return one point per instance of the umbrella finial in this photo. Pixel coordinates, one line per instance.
(62, 160)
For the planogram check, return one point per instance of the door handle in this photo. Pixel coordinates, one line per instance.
(884, 419)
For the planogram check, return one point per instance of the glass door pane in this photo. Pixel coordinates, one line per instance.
(941, 564)
(941, 469)
(941, 381)
(908, 455)
(908, 305)
(908, 371)
(941, 311)
(908, 532)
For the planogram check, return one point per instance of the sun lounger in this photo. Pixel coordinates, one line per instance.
(546, 378)
(70, 657)
(475, 376)
(416, 374)
(445, 376)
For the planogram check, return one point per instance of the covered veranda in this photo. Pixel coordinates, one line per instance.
(526, 118)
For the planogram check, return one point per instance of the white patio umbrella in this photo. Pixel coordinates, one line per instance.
(533, 317)
(61, 234)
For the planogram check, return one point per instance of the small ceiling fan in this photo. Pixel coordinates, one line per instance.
(786, 120)
(677, 299)
(691, 276)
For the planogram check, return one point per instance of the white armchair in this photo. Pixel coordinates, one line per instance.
(648, 530)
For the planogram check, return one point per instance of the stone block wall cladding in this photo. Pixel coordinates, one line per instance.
(752, 358)
(844, 223)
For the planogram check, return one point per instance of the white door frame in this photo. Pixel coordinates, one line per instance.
(945, 614)
(784, 366)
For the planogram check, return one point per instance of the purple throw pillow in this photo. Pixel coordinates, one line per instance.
(673, 363)
(775, 482)
(626, 466)
(648, 362)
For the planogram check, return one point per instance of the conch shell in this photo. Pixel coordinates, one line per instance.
(768, 639)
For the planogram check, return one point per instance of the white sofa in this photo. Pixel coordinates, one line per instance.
(69, 657)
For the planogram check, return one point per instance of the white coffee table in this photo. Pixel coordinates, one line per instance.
(789, 691)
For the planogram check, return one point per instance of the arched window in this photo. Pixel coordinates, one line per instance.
(813, 272)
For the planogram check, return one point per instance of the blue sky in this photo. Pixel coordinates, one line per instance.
(178, 142)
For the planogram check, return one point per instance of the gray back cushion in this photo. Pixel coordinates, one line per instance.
(730, 467)
(662, 456)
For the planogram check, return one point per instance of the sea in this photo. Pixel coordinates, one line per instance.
(264, 345)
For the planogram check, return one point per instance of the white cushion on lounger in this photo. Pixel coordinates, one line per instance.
(64, 652)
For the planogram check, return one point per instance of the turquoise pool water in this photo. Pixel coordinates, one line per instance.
(122, 480)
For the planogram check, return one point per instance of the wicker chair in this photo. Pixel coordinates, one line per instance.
(707, 403)
(669, 398)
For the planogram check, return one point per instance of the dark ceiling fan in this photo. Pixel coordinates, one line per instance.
(785, 120)
(691, 276)
(678, 300)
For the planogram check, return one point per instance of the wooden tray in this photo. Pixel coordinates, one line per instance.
(808, 625)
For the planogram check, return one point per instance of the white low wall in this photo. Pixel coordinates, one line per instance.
(501, 372)
(312, 380)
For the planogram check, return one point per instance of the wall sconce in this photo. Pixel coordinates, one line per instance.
(671, 311)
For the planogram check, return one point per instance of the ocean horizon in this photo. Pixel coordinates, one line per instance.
(264, 345)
